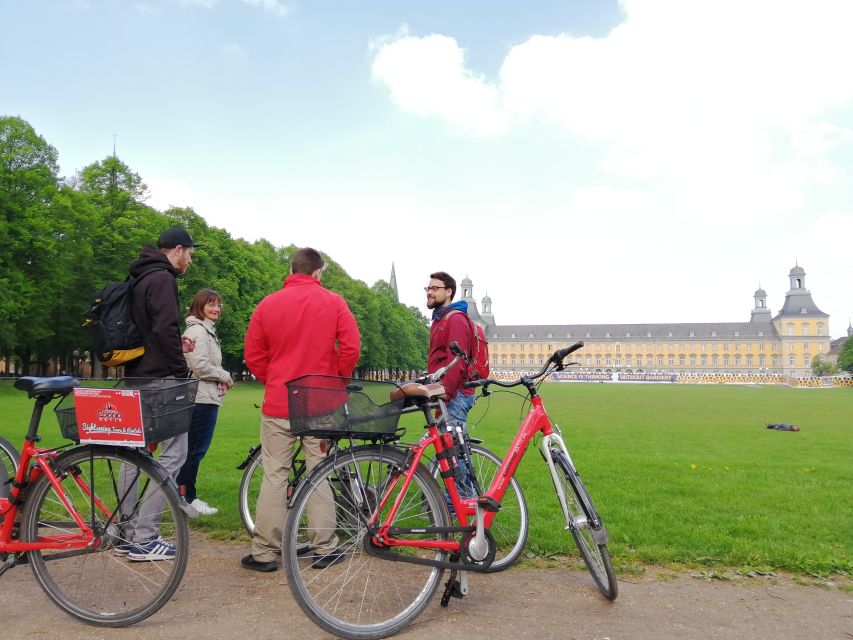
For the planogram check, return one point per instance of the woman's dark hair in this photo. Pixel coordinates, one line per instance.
(446, 279)
(202, 298)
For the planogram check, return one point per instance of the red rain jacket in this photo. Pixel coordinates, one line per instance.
(302, 328)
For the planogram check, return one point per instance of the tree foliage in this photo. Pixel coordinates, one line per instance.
(61, 240)
(845, 358)
(822, 367)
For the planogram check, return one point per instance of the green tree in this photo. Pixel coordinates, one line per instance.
(28, 246)
(845, 359)
(821, 367)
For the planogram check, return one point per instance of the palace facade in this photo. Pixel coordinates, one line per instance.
(780, 345)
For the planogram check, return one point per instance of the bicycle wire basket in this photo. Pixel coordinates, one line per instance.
(167, 407)
(336, 407)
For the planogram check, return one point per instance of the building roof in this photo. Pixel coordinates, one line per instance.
(631, 332)
(798, 302)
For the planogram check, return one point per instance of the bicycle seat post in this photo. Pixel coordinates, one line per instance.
(41, 401)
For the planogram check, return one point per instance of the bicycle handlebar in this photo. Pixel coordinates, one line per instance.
(556, 358)
(435, 376)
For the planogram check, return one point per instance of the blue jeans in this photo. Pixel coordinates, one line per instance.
(457, 415)
(198, 442)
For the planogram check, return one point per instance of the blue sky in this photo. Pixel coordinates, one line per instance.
(642, 161)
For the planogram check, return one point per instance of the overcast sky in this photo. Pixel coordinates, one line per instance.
(581, 162)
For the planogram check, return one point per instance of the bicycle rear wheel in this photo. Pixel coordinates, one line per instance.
(510, 526)
(586, 527)
(9, 458)
(111, 489)
(360, 595)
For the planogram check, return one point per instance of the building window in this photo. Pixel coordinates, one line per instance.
(805, 329)
(715, 360)
(618, 348)
(650, 361)
(627, 334)
(737, 360)
(737, 334)
(807, 360)
(760, 334)
(749, 360)
(607, 334)
(530, 359)
(790, 328)
(693, 360)
(726, 360)
(819, 329)
(792, 361)
(609, 361)
(713, 334)
(503, 360)
(681, 360)
(660, 361)
(494, 360)
(648, 334)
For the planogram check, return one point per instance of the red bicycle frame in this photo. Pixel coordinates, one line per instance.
(536, 421)
(9, 506)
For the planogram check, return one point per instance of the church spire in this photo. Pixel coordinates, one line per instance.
(393, 283)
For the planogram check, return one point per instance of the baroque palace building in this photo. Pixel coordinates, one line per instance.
(780, 345)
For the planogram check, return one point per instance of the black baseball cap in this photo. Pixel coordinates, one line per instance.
(175, 236)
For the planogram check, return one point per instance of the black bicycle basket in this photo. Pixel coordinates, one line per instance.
(334, 407)
(167, 407)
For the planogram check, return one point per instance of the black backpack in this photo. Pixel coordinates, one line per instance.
(115, 337)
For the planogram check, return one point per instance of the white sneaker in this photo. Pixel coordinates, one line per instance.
(203, 508)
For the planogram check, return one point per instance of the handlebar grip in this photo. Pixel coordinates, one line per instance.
(455, 349)
(562, 353)
(473, 384)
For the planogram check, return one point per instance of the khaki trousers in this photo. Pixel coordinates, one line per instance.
(277, 445)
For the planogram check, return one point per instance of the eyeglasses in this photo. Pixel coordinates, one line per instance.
(216, 305)
(434, 289)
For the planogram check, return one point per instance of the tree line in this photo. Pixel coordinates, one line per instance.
(63, 238)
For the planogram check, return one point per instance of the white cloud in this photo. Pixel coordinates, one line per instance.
(276, 7)
(427, 76)
(207, 4)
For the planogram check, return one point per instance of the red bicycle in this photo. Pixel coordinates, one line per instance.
(397, 538)
(66, 511)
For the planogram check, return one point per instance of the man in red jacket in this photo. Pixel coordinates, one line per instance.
(301, 329)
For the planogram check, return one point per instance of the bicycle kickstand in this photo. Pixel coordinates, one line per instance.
(455, 588)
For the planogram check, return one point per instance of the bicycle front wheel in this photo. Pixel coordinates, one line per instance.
(112, 490)
(250, 488)
(510, 526)
(349, 592)
(586, 527)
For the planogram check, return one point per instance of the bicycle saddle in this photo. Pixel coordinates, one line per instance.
(414, 393)
(55, 384)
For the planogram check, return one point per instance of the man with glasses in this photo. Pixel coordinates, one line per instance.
(450, 323)
(301, 329)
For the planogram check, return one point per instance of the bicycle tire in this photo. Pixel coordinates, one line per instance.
(250, 487)
(363, 596)
(9, 459)
(100, 586)
(583, 517)
(510, 526)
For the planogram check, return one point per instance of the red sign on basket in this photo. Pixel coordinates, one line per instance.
(109, 416)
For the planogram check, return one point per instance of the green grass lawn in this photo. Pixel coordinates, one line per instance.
(683, 475)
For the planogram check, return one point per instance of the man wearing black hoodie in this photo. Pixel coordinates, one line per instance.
(156, 313)
(156, 309)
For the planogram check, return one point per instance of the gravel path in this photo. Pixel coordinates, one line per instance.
(219, 600)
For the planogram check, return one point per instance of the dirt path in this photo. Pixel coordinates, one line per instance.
(219, 600)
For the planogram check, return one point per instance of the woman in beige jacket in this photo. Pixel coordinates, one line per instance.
(205, 363)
